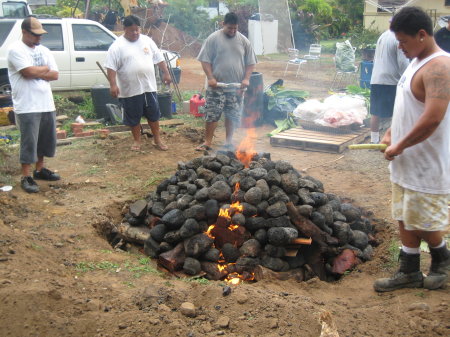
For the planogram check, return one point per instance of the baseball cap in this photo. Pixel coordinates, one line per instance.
(443, 21)
(33, 26)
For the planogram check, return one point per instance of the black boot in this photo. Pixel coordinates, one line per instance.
(407, 276)
(440, 268)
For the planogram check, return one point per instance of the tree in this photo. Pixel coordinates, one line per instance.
(244, 10)
(353, 9)
(187, 18)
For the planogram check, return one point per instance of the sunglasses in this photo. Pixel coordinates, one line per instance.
(36, 35)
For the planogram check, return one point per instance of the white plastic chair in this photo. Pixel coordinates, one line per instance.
(294, 60)
(343, 77)
(314, 53)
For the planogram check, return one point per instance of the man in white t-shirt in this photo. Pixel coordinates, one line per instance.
(131, 74)
(31, 67)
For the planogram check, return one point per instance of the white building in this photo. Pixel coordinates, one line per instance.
(215, 8)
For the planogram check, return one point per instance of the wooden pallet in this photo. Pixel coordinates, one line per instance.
(299, 138)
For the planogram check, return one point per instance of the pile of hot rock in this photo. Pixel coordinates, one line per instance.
(279, 205)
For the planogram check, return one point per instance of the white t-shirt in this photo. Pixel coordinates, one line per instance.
(134, 63)
(30, 95)
(424, 167)
(389, 62)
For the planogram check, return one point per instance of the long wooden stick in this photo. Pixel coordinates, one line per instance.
(101, 68)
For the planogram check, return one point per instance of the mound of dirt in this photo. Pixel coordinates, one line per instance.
(170, 38)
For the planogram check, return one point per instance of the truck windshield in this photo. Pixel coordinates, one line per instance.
(5, 28)
(15, 10)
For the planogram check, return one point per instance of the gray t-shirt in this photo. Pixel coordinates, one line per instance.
(389, 62)
(228, 56)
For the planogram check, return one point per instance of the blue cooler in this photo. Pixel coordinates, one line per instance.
(366, 74)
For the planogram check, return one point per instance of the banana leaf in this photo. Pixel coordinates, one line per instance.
(284, 124)
(286, 97)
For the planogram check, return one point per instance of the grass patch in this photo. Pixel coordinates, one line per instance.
(154, 180)
(185, 96)
(129, 284)
(87, 110)
(190, 120)
(137, 269)
(92, 171)
(9, 164)
(201, 280)
(420, 294)
(141, 268)
(394, 251)
(91, 266)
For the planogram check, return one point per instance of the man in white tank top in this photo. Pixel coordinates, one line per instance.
(419, 150)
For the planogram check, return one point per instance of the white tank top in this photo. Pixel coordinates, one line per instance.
(424, 167)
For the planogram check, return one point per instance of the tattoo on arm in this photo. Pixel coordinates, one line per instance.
(437, 81)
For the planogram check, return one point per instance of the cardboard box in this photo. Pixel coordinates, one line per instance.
(4, 120)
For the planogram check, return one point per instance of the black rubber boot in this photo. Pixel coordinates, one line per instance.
(407, 276)
(439, 270)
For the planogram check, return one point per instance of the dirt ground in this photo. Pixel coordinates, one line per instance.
(60, 277)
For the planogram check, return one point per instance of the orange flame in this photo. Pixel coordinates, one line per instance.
(221, 267)
(232, 278)
(224, 212)
(246, 149)
(235, 278)
(208, 232)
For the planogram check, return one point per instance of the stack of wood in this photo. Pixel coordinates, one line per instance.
(287, 225)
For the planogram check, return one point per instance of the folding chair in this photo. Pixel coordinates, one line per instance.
(315, 51)
(344, 77)
(294, 60)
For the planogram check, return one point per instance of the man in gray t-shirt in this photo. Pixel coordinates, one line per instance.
(388, 66)
(226, 57)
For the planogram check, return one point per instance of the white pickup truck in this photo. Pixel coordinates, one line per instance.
(14, 9)
(77, 46)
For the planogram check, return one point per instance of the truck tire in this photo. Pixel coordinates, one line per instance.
(5, 86)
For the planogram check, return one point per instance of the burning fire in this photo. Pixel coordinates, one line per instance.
(226, 214)
(245, 153)
(246, 150)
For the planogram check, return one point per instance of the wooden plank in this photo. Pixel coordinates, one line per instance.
(308, 140)
(145, 126)
(321, 133)
(318, 135)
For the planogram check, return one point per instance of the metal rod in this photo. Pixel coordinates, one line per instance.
(172, 76)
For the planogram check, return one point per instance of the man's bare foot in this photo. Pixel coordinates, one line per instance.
(136, 147)
(161, 146)
(203, 147)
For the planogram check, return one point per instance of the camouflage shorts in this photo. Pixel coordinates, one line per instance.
(420, 211)
(218, 101)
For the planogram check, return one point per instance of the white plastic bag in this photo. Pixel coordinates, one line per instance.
(309, 110)
(343, 110)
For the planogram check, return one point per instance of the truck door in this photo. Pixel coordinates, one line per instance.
(57, 41)
(90, 43)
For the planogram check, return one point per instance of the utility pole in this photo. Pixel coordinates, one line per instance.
(86, 12)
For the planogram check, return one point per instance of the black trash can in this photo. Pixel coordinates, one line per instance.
(254, 101)
(176, 74)
(165, 104)
(100, 97)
